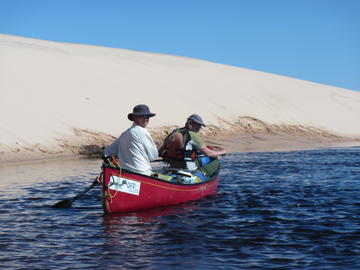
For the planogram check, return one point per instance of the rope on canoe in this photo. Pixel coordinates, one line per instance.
(108, 189)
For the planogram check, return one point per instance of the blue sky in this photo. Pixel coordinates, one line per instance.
(313, 40)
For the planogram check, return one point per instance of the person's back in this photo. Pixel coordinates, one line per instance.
(192, 148)
(180, 149)
(135, 148)
(173, 148)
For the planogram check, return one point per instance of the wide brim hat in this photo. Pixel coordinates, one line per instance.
(140, 109)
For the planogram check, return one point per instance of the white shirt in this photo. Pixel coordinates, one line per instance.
(135, 149)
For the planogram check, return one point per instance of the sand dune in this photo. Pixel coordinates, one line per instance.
(58, 99)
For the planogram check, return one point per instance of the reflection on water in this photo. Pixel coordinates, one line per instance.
(22, 174)
(131, 236)
(290, 210)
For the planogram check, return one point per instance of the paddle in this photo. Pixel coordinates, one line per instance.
(67, 202)
(157, 160)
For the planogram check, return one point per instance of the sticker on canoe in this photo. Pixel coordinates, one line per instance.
(124, 185)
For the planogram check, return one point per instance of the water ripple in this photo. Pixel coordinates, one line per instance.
(283, 210)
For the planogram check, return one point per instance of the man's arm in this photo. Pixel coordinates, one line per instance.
(112, 149)
(211, 152)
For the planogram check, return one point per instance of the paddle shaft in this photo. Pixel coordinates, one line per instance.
(67, 202)
(157, 160)
(85, 190)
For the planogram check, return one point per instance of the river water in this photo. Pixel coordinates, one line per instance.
(273, 210)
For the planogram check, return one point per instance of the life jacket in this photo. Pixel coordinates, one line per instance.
(177, 146)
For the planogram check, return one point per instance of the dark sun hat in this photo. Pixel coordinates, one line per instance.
(197, 119)
(140, 109)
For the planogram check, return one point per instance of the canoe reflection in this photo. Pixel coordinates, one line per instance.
(149, 215)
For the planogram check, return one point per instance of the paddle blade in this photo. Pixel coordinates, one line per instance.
(63, 204)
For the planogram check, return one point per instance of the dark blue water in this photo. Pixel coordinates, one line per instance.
(276, 210)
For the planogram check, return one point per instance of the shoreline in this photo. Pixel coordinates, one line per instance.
(231, 142)
(281, 143)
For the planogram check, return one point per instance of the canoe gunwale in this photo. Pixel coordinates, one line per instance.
(120, 170)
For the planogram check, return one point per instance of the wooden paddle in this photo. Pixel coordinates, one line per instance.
(67, 202)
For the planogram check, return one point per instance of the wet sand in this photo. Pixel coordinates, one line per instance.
(279, 142)
(230, 141)
(18, 169)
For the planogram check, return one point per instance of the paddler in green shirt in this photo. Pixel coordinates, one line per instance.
(184, 149)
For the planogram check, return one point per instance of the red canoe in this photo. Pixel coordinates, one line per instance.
(125, 191)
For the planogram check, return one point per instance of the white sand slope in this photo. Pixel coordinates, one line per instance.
(53, 94)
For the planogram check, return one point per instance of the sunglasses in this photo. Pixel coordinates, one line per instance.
(144, 116)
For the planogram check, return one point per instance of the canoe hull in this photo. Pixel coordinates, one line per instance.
(126, 191)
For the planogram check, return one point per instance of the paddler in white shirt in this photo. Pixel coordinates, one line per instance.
(135, 147)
